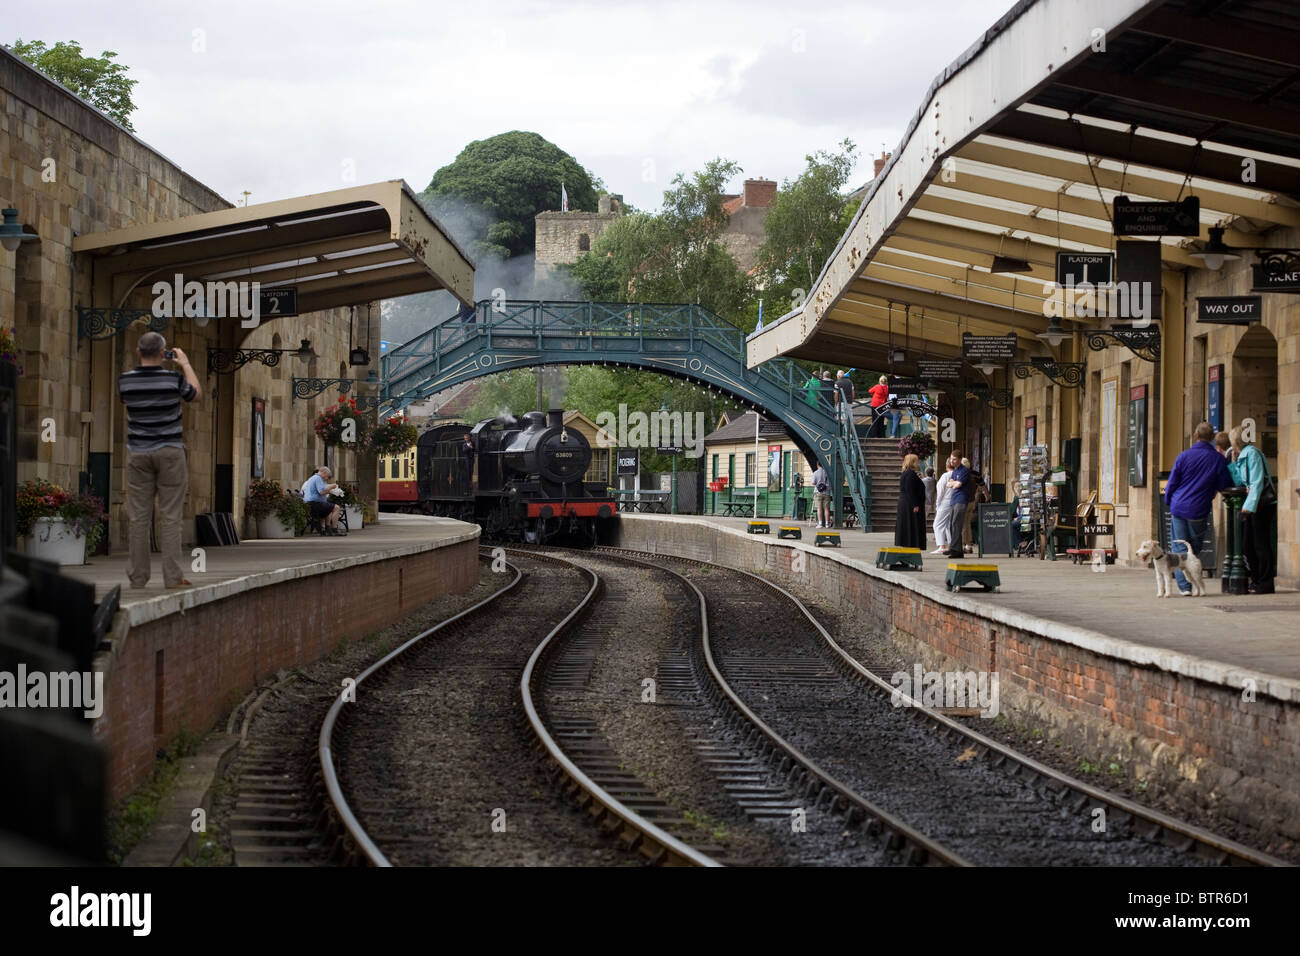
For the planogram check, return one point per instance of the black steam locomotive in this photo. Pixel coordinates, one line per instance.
(519, 479)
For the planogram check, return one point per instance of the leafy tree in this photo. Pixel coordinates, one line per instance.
(496, 186)
(98, 80)
(804, 225)
(676, 255)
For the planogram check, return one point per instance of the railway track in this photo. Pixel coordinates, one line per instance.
(754, 684)
(390, 828)
(785, 674)
(767, 776)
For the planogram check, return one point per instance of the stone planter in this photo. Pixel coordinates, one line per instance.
(52, 540)
(354, 517)
(271, 527)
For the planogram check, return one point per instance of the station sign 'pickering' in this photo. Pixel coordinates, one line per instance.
(628, 460)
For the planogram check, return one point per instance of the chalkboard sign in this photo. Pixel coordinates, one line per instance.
(996, 528)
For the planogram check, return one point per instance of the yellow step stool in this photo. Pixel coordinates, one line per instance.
(908, 559)
(758, 527)
(789, 531)
(831, 538)
(985, 575)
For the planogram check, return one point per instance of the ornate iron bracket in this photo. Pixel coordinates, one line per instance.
(992, 397)
(1144, 343)
(1065, 374)
(305, 388)
(1278, 261)
(104, 323)
(228, 361)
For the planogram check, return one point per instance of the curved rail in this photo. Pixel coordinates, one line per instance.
(334, 791)
(1169, 829)
(669, 848)
(919, 848)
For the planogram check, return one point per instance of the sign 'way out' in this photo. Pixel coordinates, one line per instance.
(1230, 309)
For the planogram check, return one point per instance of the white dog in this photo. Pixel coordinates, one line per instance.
(1152, 555)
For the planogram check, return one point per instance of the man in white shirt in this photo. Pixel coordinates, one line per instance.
(315, 492)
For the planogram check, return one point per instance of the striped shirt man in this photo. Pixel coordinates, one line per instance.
(153, 396)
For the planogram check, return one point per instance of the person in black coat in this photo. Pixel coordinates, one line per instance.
(909, 530)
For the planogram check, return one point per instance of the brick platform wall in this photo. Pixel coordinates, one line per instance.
(1198, 740)
(185, 671)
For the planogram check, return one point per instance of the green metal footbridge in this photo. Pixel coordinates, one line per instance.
(684, 341)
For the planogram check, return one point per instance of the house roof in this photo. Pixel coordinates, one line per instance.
(742, 427)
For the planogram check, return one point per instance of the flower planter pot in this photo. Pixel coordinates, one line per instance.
(354, 517)
(271, 527)
(52, 540)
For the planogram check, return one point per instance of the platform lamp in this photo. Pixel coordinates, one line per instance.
(11, 231)
(1216, 252)
(663, 407)
(1055, 333)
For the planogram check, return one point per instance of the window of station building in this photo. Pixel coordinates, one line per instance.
(599, 468)
(731, 470)
(749, 468)
(381, 469)
(584, 242)
(715, 466)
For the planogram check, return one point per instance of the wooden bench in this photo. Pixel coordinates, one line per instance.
(736, 507)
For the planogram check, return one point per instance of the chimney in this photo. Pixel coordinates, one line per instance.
(880, 164)
(759, 192)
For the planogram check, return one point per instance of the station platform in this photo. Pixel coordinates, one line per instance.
(257, 563)
(177, 660)
(1242, 635)
(1201, 695)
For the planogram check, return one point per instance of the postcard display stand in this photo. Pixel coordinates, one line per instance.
(1033, 494)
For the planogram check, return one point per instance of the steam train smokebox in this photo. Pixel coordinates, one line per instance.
(548, 450)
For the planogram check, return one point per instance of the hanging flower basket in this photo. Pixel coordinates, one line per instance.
(9, 350)
(392, 437)
(47, 514)
(919, 444)
(343, 424)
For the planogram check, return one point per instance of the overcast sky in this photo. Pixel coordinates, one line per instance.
(283, 98)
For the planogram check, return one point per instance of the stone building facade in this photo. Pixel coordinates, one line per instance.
(745, 231)
(72, 172)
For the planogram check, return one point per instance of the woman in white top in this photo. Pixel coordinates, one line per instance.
(942, 508)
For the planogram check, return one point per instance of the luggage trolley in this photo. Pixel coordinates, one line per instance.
(1094, 519)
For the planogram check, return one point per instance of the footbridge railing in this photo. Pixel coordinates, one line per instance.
(685, 341)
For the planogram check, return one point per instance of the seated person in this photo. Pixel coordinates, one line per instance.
(315, 492)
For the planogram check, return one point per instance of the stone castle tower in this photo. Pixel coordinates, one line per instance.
(564, 237)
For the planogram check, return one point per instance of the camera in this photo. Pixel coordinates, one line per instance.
(169, 354)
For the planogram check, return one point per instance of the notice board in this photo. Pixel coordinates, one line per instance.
(997, 532)
(1137, 436)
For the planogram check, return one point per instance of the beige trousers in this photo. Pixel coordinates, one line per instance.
(163, 474)
(966, 538)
